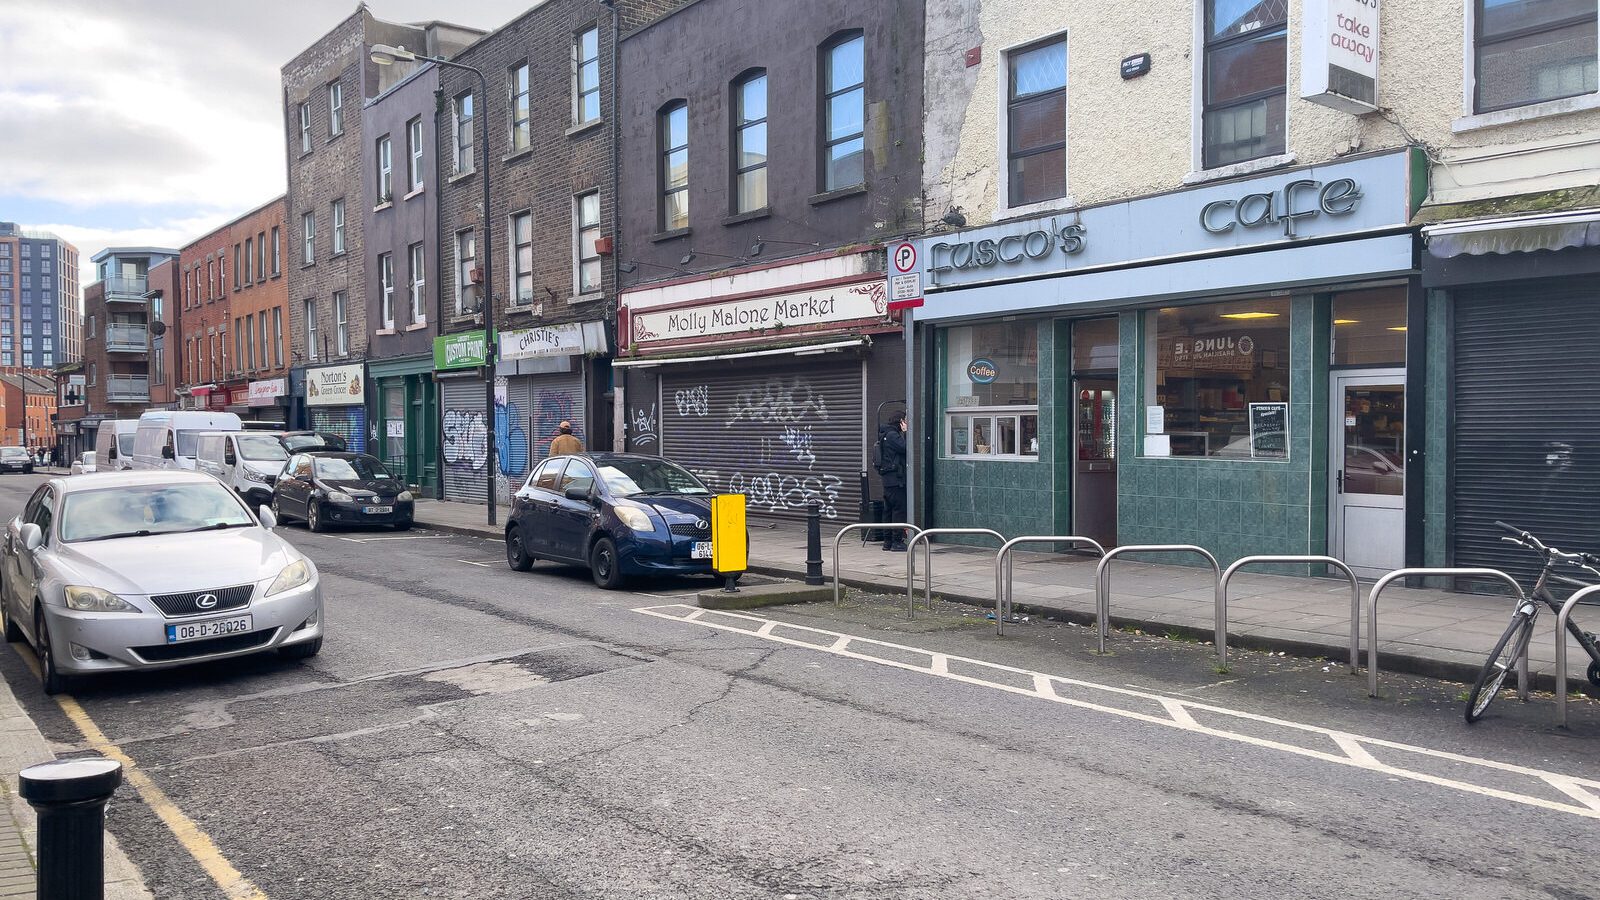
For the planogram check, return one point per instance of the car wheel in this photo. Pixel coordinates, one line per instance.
(277, 510)
(517, 556)
(301, 651)
(50, 678)
(314, 517)
(604, 566)
(13, 633)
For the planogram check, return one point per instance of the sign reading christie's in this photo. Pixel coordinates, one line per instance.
(823, 306)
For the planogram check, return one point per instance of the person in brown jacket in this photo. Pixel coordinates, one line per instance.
(565, 443)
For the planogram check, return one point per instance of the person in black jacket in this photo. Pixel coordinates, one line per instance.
(892, 449)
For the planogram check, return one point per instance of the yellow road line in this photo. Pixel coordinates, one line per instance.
(200, 846)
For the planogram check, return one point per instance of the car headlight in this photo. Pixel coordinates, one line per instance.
(93, 599)
(405, 497)
(296, 574)
(637, 519)
(339, 497)
(261, 477)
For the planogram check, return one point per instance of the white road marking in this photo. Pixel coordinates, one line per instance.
(1354, 750)
(408, 537)
(479, 564)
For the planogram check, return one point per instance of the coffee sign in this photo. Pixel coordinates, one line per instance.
(982, 371)
(335, 386)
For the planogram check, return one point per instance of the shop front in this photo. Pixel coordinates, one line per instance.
(1224, 366)
(266, 401)
(545, 376)
(458, 361)
(1514, 300)
(336, 401)
(767, 382)
(403, 418)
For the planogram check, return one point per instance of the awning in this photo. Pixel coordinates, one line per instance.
(797, 350)
(1514, 234)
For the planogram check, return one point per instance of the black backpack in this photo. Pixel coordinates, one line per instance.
(882, 461)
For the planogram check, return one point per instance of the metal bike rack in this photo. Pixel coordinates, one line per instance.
(1385, 581)
(1355, 600)
(1003, 569)
(1561, 650)
(1102, 577)
(838, 540)
(927, 558)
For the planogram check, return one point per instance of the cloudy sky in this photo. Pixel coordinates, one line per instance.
(150, 122)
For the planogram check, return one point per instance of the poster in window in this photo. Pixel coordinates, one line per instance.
(1269, 431)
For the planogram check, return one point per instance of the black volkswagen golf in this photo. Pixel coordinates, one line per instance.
(328, 488)
(619, 514)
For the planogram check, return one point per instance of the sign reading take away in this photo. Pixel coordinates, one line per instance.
(730, 551)
(905, 280)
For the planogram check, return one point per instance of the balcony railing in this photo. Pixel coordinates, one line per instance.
(126, 288)
(127, 338)
(128, 388)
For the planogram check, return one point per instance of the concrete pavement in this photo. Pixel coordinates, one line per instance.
(1435, 633)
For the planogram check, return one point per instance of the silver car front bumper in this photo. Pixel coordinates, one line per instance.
(87, 643)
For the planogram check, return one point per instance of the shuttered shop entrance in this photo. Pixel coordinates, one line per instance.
(348, 422)
(1527, 436)
(781, 434)
(464, 441)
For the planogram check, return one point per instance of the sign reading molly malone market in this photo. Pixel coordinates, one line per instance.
(825, 306)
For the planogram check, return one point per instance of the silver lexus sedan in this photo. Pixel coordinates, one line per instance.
(150, 569)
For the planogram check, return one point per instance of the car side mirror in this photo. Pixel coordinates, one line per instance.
(269, 519)
(166, 453)
(32, 537)
(229, 459)
(577, 492)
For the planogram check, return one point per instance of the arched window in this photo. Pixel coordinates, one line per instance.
(750, 142)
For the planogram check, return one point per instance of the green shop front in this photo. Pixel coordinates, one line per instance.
(463, 449)
(403, 418)
(1224, 366)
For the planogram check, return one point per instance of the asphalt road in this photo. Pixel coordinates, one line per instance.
(469, 731)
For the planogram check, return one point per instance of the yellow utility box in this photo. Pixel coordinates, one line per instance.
(730, 551)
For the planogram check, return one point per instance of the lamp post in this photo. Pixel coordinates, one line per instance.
(385, 55)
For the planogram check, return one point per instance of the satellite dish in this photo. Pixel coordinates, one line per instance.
(158, 328)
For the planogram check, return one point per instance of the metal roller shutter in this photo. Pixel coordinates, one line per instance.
(1527, 436)
(348, 422)
(781, 434)
(463, 442)
(551, 400)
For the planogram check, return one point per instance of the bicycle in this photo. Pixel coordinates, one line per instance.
(1514, 642)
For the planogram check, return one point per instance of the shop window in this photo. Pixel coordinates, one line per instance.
(1531, 51)
(992, 391)
(1246, 75)
(1036, 136)
(1220, 386)
(1369, 327)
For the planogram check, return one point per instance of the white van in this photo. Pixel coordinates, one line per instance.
(113, 445)
(247, 461)
(166, 437)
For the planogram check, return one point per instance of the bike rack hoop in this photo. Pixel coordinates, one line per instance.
(1102, 577)
(1385, 581)
(1561, 649)
(1355, 600)
(927, 558)
(838, 541)
(1003, 569)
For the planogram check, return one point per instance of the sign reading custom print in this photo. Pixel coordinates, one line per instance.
(466, 350)
(335, 386)
(827, 306)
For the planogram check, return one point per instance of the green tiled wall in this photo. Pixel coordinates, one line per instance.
(1013, 498)
(1436, 447)
(1232, 508)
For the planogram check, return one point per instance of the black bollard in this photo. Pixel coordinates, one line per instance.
(814, 544)
(70, 797)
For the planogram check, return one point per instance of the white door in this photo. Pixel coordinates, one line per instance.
(1367, 469)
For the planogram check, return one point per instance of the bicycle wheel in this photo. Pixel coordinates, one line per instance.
(1501, 661)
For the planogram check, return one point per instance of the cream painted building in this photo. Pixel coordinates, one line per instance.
(1265, 276)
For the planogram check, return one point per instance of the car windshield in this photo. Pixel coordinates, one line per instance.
(359, 468)
(125, 444)
(13, 451)
(262, 448)
(626, 477)
(150, 509)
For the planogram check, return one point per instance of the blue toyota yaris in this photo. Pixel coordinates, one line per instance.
(619, 514)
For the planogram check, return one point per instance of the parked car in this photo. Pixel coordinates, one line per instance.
(85, 464)
(113, 444)
(166, 438)
(619, 514)
(328, 488)
(247, 461)
(118, 571)
(16, 459)
(308, 441)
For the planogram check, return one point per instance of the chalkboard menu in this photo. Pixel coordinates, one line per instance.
(1269, 431)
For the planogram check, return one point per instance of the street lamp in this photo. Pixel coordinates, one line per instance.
(385, 55)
